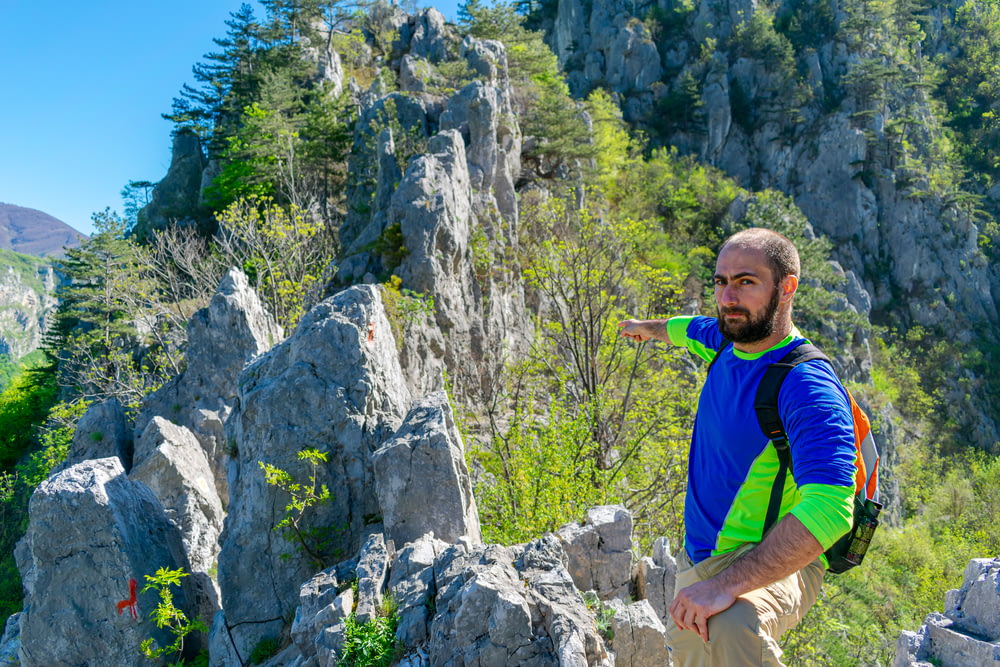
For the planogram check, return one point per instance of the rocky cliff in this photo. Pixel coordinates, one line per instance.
(27, 301)
(712, 79)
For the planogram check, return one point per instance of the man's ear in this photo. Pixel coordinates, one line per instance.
(789, 284)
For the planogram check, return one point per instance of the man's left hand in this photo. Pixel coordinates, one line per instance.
(694, 605)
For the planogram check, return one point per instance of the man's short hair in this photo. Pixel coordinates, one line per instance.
(782, 256)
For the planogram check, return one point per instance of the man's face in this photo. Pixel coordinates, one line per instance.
(746, 295)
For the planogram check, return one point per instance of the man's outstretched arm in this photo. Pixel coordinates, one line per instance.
(643, 330)
(788, 548)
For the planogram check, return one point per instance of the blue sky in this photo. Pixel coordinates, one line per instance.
(82, 87)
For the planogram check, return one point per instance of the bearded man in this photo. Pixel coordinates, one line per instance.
(739, 587)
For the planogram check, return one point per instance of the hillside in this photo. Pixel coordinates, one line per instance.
(355, 376)
(27, 302)
(32, 232)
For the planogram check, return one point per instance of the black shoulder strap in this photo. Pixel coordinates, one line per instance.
(766, 405)
(725, 346)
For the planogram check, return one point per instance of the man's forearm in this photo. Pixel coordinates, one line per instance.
(643, 330)
(786, 549)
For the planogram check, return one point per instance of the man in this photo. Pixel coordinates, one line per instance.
(739, 590)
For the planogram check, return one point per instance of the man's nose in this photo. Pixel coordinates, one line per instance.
(727, 296)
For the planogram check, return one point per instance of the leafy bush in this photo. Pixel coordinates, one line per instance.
(372, 643)
(309, 541)
(167, 615)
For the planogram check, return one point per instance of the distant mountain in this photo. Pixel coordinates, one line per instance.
(32, 232)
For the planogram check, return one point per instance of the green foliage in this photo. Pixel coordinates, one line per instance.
(372, 643)
(604, 615)
(404, 307)
(587, 419)
(264, 649)
(109, 294)
(971, 83)
(169, 616)
(310, 541)
(285, 251)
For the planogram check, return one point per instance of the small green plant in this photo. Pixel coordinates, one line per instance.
(265, 648)
(310, 541)
(603, 615)
(167, 615)
(373, 643)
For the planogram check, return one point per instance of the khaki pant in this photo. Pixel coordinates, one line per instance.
(747, 633)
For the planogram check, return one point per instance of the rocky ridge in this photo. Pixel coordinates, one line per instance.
(916, 255)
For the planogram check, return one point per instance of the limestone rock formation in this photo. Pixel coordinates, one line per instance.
(421, 478)
(10, 643)
(222, 338)
(177, 198)
(334, 385)
(91, 530)
(101, 432)
(433, 220)
(654, 578)
(968, 633)
(599, 551)
(171, 462)
(639, 636)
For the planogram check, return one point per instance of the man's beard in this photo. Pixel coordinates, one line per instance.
(752, 329)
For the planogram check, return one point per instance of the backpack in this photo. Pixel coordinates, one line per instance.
(850, 549)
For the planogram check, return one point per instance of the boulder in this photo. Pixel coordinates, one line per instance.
(413, 588)
(372, 573)
(91, 530)
(101, 432)
(421, 479)
(599, 551)
(639, 638)
(222, 338)
(171, 462)
(334, 386)
(654, 578)
(510, 605)
(968, 633)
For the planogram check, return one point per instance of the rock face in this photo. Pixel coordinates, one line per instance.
(421, 478)
(699, 87)
(600, 551)
(171, 462)
(433, 220)
(91, 530)
(654, 578)
(222, 339)
(334, 385)
(968, 633)
(101, 432)
(177, 198)
(639, 636)
(27, 302)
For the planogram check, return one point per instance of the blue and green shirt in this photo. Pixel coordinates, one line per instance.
(732, 465)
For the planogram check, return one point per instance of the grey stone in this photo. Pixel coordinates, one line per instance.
(421, 479)
(101, 432)
(639, 636)
(372, 572)
(655, 577)
(177, 196)
(975, 608)
(517, 605)
(334, 385)
(90, 531)
(429, 40)
(174, 466)
(222, 338)
(413, 588)
(600, 551)
(10, 643)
